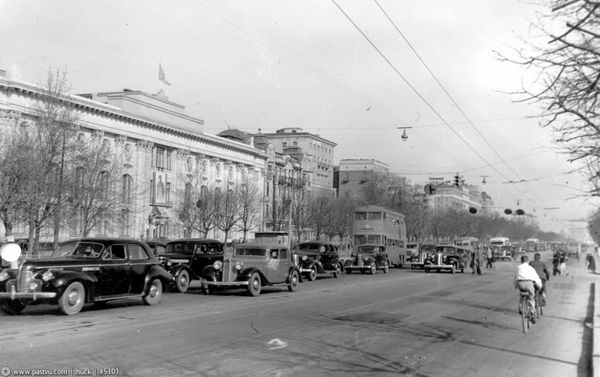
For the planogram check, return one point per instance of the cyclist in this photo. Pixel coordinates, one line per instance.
(526, 279)
(543, 273)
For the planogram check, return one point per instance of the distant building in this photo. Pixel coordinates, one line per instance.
(315, 152)
(462, 197)
(355, 173)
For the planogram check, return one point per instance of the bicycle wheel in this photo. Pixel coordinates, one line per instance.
(524, 314)
(538, 305)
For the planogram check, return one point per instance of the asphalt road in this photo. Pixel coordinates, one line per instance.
(402, 323)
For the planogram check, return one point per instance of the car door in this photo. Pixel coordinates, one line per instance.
(139, 260)
(114, 274)
(272, 267)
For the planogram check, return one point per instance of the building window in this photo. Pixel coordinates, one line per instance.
(103, 185)
(160, 157)
(168, 160)
(127, 184)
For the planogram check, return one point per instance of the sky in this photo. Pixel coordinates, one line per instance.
(337, 68)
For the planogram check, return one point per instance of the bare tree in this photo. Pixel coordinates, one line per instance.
(319, 214)
(229, 210)
(567, 74)
(49, 138)
(97, 194)
(250, 204)
(341, 218)
(205, 215)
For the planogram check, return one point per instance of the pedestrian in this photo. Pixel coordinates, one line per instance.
(490, 257)
(556, 263)
(476, 261)
(563, 264)
(590, 262)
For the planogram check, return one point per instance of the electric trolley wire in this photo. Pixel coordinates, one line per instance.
(460, 109)
(408, 83)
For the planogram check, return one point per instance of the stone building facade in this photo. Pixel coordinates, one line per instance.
(162, 150)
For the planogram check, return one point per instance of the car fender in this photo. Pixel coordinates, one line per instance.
(244, 275)
(62, 278)
(292, 269)
(180, 267)
(210, 273)
(157, 271)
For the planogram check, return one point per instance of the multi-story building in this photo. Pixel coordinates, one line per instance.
(460, 197)
(164, 152)
(315, 152)
(355, 173)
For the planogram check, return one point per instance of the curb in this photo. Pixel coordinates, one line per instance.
(596, 333)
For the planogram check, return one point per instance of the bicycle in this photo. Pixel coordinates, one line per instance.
(539, 311)
(524, 310)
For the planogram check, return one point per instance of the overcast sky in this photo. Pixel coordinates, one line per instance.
(271, 64)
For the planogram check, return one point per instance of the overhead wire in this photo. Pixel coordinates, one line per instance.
(447, 93)
(414, 89)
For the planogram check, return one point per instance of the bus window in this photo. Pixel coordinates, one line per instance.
(375, 215)
(360, 216)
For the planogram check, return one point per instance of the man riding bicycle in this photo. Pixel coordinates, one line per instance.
(543, 273)
(526, 279)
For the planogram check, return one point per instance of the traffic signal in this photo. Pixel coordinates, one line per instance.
(457, 180)
(430, 189)
(520, 212)
(473, 210)
(508, 211)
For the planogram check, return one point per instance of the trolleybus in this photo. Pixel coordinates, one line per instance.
(378, 228)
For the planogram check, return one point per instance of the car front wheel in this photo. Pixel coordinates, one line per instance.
(12, 307)
(386, 267)
(72, 299)
(312, 275)
(294, 280)
(182, 281)
(154, 293)
(254, 284)
(337, 272)
(373, 269)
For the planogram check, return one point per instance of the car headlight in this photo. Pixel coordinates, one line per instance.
(239, 266)
(304, 257)
(47, 275)
(217, 265)
(3, 275)
(34, 285)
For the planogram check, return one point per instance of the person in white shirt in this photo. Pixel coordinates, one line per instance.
(526, 279)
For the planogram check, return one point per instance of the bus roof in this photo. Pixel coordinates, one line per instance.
(375, 208)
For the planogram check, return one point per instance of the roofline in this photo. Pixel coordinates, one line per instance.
(110, 111)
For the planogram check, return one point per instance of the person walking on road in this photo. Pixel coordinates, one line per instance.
(526, 280)
(476, 261)
(590, 262)
(490, 257)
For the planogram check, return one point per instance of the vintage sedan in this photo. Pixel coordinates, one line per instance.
(318, 258)
(448, 258)
(253, 266)
(158, 247)
(86, 270)
(186, 259)
(368, 258)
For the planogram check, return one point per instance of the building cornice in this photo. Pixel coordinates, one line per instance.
(113, 112)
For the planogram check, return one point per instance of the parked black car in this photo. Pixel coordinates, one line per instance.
(368, 258)
(158, 247)
(253, 266)
(82, 271)
(315, 258)
(186, 258)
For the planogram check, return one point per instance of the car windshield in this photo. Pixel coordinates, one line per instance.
(79, 249)
(247, 251)
(368, 249)
(445, 249)
(311, 247)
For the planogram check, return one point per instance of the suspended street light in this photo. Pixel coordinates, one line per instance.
(404, 134)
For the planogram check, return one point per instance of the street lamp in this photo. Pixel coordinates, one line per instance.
(404, 134)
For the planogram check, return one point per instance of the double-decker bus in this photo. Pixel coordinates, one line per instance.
(376, 227)
(467, 242)
(532, 244)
